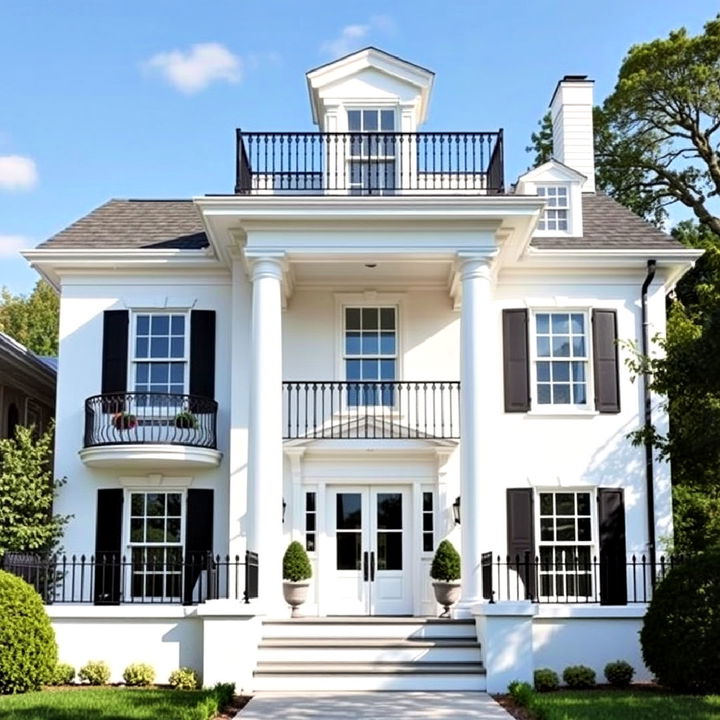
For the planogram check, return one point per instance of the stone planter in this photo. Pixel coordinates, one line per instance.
(295, 595)
(446, 594)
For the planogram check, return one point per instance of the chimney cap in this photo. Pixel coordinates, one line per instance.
(569, 79)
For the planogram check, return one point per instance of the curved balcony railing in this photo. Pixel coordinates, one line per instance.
(157, 418)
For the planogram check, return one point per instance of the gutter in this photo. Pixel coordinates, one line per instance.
(649, 468)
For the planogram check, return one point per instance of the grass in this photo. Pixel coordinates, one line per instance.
(111, 704)
(640, 704)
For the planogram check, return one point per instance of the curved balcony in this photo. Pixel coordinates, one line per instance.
(160, 430)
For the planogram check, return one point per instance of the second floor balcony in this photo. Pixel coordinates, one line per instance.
(369, 163)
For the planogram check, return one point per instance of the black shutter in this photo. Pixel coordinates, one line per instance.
(611, 521)
(605, 361)
(108, 546)
(198, 546)
(516, 363)
(521, 538)
(202, 356)
(115, 351)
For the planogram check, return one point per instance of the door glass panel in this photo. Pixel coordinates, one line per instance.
(348, 550)
(389, 551)
(389, 511)
(349, 511)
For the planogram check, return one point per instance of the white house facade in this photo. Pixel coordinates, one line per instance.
(371, 345)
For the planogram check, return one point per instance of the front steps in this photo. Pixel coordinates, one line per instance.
(346, 654)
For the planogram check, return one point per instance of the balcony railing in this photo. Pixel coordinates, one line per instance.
(382, 163)
(113, 579)
(573, 578)
(379, 410)
(158, 418)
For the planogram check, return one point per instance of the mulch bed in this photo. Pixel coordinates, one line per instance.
(517, 711)
(238, 703)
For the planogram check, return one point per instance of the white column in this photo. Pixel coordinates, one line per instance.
(476, 354)
(265, 458)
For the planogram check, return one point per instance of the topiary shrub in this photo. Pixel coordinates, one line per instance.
(139, 674)
(619, 673)
(546, 680)
(446, 563)
(579, 677)
(63, 674)
(28, 651)
(184, 678)
(95, 672)
(680, 635)
(296, 565)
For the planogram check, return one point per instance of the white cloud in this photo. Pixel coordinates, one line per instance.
(197, 68)
(17, 173)
(11, 245)
(352, 37)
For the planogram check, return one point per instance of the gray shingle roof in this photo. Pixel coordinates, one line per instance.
(135, 224)
(609, 225)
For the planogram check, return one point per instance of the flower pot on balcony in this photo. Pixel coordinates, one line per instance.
(446, 594)
(124, 421)
(185, 421)
(295, 594)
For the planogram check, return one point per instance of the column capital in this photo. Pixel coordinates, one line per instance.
(266, 265)
(475, 265)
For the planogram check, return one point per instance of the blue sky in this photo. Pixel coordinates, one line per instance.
(140, 98)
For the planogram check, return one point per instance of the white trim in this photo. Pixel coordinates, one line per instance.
(155, 480)
(150, 455)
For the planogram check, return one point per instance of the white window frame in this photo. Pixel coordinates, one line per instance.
(591, 544)
(130, 545)
(133, 360)
(542, 186)
(365, 159)
(559, 408)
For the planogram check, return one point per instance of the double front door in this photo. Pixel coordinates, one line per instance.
(370, 543)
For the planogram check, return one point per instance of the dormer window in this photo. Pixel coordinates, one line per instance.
(555, 215)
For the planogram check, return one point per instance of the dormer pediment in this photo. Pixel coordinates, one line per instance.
(552, 171)
(370, 77)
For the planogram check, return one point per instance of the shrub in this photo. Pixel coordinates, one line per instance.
(546, 680)
(681, 630)
(446, 563)
(296, 565)
(63, 674)
(95, 672)
(579, 677)
(185, 420)
(521, 693)
(139, 674)
(184, 678)
(28, 652)
(619, 673)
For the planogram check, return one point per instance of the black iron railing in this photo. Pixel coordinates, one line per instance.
(109, 579)
(573, 578)
(371, 410)
(159, 418)
(379, 163)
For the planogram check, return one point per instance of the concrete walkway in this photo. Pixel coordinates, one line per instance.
(373, 706)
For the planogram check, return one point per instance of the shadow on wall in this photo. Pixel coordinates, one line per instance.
(188, 636)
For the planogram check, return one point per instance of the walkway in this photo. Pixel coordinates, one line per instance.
(373, 706)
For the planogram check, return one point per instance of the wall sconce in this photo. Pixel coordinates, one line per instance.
(456, 510)
(284, 508)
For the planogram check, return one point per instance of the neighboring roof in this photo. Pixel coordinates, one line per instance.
(19, 355)
(135, 224)
(609, 225)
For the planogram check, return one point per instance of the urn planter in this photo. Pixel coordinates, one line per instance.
(446, 594)
(295, 594)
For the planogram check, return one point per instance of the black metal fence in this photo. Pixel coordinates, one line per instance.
(166, 418)
(371, 410)
(573, 578)
(375, 163)
(111, 579)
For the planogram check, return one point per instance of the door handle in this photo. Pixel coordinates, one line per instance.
(372, 566)
(365, 567)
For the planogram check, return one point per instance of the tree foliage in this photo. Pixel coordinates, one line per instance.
(33, 319)
(541, 141)
(27, 491)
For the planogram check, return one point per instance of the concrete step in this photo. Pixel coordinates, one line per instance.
(397, 628)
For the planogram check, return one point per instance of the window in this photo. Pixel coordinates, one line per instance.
(428, 536)
(310, 521)
(160, 354)
(371, 164)
(370, 354)
(156, 534)
(565, 544)
(555, 216)
(561, 358)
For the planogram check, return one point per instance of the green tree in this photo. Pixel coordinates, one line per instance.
(27, 491)
(32, 319)
(541, 141)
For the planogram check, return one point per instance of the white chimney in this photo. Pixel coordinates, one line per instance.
(571, 109)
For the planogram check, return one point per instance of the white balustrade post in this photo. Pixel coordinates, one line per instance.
(475, 357)
(265, 452)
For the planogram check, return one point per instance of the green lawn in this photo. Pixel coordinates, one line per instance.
(628, 705)
(110, 704)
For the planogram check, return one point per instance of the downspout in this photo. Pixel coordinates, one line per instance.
(649, 468)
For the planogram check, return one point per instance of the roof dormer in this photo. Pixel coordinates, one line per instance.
(369, 79)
